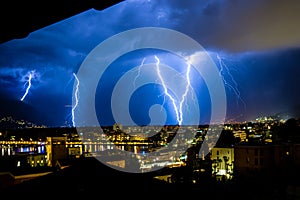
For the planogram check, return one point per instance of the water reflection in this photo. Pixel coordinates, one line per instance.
(9, 150)
(136, 149)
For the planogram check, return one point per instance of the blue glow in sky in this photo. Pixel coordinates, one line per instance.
(258, 41)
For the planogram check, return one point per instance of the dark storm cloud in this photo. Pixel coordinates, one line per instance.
(215, 24)
(236, 25)
(269, 82)
(228, 26)
(40, 50)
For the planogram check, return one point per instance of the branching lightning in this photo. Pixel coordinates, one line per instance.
(139, 72)
(76, 98)
(178, 110)
(30, 75)
(187, 87)
(234, 87)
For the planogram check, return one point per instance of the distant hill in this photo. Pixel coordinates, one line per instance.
(292, 112)
(15, 113)
(11, 123)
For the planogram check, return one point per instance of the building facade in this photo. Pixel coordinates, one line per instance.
(222, 161)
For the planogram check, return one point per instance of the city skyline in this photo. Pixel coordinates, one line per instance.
(257, 55)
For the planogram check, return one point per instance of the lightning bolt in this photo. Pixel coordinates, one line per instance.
(76, 98)
(30, 76)
(139, 72)
(185, 93)
(234, 87)
(178, 110)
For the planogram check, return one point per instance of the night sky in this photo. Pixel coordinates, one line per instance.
(258, 43)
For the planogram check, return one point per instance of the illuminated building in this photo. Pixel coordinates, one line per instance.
(56, 150)
(37, 160)
(117, 127)
(222, 161)
(240, 134)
